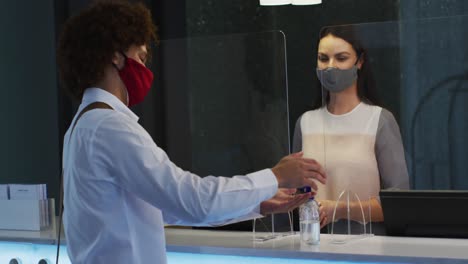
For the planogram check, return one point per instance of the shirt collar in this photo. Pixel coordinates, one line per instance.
(94, 94)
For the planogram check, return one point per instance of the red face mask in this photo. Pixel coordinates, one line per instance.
(137, 78)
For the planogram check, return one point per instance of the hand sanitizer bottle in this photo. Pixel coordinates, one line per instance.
(309, 219)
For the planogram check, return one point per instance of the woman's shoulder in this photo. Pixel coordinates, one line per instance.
(387, 119)
(386, 115)
(371, 107)
(311, 113)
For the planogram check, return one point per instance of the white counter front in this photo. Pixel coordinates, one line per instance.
(207, 247)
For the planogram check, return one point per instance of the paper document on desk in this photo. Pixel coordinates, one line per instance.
(26, 192)
(32, 192)
(3, 191)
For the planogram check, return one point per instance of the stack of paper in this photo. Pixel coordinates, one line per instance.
(27, 192)
(24, 206)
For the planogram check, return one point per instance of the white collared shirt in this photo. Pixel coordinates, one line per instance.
(120, 189)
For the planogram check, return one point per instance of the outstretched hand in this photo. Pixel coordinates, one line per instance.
(284, 201)
(295, 171)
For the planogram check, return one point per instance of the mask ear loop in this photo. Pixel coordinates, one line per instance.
(359, 57)
(125, 56)
(118, 70)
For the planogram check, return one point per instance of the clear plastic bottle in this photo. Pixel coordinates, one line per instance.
(309, 219)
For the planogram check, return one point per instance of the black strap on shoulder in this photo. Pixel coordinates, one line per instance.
(91, 106)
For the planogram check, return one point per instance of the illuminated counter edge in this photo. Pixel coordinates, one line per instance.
(377, 249)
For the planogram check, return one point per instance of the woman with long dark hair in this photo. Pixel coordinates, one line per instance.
(356, 140)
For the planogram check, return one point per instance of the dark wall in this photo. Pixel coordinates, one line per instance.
(29, 136)
(434, 87)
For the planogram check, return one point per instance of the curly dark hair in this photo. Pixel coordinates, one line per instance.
(90, 39)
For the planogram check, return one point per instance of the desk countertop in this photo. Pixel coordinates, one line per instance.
(370, 248)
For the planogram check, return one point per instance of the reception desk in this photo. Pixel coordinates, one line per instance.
(206, 246)
(376, 249)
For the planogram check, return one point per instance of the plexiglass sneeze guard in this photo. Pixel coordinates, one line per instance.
(232, 90)
(236, 89)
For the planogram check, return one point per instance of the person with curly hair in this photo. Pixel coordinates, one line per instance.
(119, 186)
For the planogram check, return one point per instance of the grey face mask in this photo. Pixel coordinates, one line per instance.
(336, 80)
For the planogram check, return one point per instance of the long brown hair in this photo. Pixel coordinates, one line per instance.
(365, 83)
